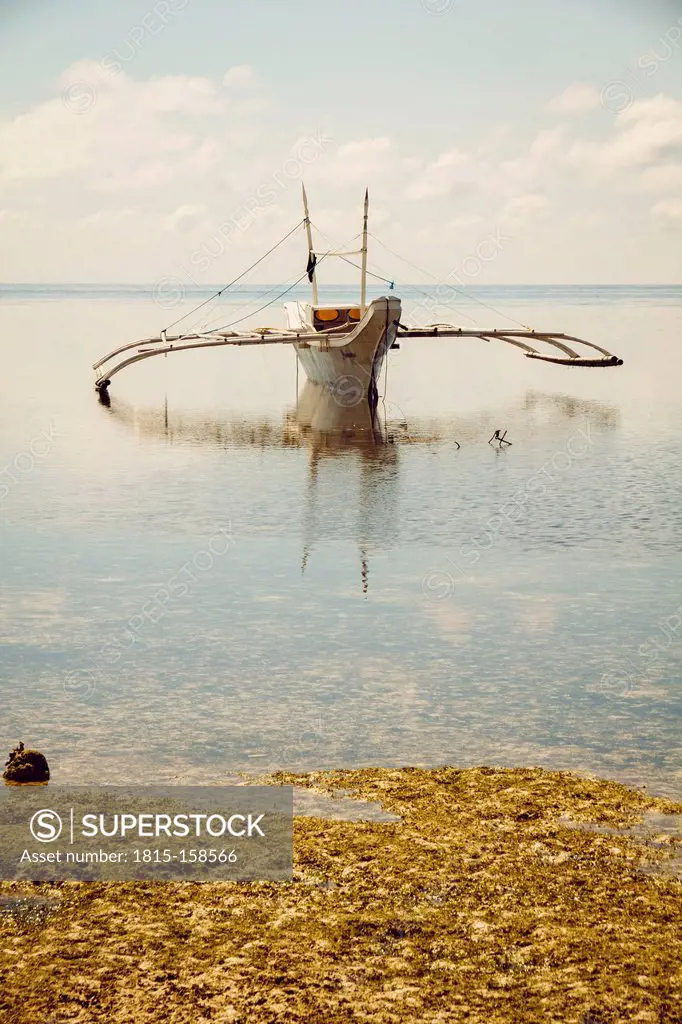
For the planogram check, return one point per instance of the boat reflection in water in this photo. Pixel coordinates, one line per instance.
(328, 429)
(369, 438)
(322, 422)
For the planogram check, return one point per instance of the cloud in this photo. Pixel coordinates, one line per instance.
(660, 107)
(182, 214)
(452, 168)
(520, 210)
(106, 218)
(359, 161)
(545, 154)
(575, 99)
(114, 132)
(664, 178)
(671, 209)
(180, 160)
(548, 143)
(240, 77)
(191, 94)
(139, 170)
(465, 223)
(365, 149)
(648, 133)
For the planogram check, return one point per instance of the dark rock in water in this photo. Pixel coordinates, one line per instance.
(26, 766)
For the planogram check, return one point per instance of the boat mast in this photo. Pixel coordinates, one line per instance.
(311, 254)
(363, 285)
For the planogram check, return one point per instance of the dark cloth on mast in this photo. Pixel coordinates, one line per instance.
(312, 263)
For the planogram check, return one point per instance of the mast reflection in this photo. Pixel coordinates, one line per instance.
(370, 441)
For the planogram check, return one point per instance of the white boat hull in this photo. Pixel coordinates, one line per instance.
(349, 365)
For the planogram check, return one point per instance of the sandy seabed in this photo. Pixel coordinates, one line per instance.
(481, 904)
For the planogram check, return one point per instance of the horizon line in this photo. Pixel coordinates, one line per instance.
(192, 286)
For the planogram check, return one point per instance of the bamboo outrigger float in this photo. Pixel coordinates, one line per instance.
(346, 343)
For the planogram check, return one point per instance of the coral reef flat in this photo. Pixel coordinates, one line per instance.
(483, 902)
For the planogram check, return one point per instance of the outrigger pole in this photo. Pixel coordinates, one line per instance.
(363, 284)
(311, 254)
(108, 366)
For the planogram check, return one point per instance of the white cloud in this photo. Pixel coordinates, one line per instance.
(359, 161)
(465, 223)
(115, 132)
(670, 209)
(575, 99)
(522, 205)
(664, 178)
(549, 142)
(648, 133)
(520, 210)
(440, 177)
(365, 149)
(139, 170)
(106, 218)
(534, 167)
(189, 212)
(660, 107)
(240, 77)
(166, 93)
(174, 161)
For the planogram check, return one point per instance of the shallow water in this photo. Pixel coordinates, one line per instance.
(349, 595)
(661, 832)
(29, 911)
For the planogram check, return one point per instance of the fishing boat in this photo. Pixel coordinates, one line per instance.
(342, 346)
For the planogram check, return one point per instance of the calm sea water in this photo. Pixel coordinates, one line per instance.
(200, 579)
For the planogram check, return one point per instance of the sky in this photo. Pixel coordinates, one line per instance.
(538, 141)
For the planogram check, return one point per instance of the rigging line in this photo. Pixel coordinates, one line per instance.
(383, 397)
(498, 312)
(268, 291)
(415, 288)
(258, 297)
(342, 256)
(331, 240)
(386, 369)
(256, 311)
(209, 317)
(455, 309)
(207, 322)
(203, 324)
(421, 270)
(224, 289)
(392, 280)
(386, 280)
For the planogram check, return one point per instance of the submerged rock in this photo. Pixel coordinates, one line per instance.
(26, 766)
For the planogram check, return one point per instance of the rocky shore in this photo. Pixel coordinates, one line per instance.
(483, 903)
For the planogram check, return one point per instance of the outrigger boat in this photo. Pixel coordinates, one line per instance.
(342, 347)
